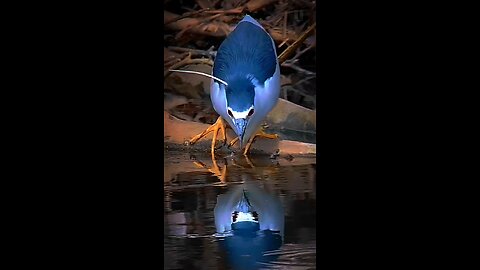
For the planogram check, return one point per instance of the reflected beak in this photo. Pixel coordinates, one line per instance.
(240, 126)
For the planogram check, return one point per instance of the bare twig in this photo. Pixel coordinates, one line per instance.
(194, 25)
(217, 28)
(254, 5)
(238, 10)
(292, 64)
(208, 53)
(305, 80)
(188, 61)
(299, 53)
(283, 42)
(183, 31)
(169, 63)
(213, 17)
(176, 60)
(207, 10)
(186, 15)
(291, 88)
(277, 35)
(285, 54)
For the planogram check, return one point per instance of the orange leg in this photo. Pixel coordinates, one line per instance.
(261, 134)
(232, 142)
(219, 124)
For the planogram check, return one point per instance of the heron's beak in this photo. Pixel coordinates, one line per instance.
(240, 126)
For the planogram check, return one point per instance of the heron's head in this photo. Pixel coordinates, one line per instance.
(240, 96)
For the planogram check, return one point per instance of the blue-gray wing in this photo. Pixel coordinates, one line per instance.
(247, 51)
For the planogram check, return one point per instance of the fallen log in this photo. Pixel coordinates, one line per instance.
(176, 132)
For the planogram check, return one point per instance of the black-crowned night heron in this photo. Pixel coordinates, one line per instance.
(245, 83)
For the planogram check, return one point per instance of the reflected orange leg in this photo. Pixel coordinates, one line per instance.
(200, 164)
(219, 124)
(249, 161)
(220, 174)
(261, 134)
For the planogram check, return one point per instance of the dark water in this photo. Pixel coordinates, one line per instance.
(191, 187)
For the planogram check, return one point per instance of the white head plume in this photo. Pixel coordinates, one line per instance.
(199, 73)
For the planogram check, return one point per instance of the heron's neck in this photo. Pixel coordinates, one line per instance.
(244, 204)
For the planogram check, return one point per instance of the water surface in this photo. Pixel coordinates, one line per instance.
(191, 186)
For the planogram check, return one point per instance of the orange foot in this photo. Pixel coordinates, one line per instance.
(218, 125)
(260, 133)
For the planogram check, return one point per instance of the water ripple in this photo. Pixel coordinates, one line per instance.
(294, 256)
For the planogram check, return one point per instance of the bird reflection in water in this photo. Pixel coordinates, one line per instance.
(194, 199)
(252, 223)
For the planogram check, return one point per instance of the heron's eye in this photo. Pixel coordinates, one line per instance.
(251, 112)
(230, 113)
